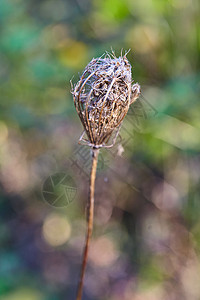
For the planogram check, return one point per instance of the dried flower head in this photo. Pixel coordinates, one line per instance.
(102, 97)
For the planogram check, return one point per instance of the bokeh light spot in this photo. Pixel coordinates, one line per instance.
(56, 230)
(73, 54)
(103, 252)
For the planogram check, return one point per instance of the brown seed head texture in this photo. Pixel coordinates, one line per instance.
(102, 97)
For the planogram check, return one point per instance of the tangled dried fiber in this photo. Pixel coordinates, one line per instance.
(102, 98)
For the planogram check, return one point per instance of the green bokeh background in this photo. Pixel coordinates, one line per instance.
(146, 241)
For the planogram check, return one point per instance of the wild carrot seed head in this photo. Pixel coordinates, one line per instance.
(102, 96)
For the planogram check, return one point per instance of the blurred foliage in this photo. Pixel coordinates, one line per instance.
(146, 242)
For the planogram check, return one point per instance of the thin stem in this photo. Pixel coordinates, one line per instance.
(90, 217)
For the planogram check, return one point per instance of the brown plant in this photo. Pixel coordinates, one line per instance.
(102, 98)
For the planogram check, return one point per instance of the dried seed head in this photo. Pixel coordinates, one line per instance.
(102, 97)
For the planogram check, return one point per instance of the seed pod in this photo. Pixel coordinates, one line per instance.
(102, 97)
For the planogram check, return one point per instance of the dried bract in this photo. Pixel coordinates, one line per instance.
(102, 97)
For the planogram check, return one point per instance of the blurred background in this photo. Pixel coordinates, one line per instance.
(146, 240)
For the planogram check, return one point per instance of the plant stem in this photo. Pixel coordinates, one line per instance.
(90, 217)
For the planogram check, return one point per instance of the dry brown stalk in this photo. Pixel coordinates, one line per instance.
(90, 218)
(102, 98)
